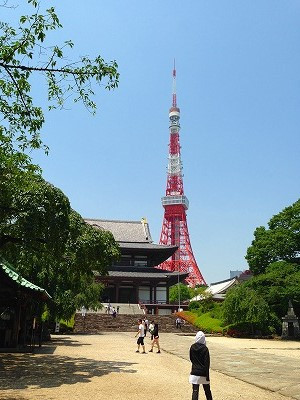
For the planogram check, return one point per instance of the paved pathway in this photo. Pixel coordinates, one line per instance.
(94, 367)
(269, 364)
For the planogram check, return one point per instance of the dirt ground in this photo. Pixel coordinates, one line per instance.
(92, 367)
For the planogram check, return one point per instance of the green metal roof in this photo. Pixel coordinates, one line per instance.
(15, 276)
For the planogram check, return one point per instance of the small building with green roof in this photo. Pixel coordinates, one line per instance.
(19, 299)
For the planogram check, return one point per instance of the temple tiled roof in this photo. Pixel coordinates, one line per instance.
(150, 246)
(144, 273)
(19, 280)
(134, 236)
(124, 231)
(217, 290)
(221, 287)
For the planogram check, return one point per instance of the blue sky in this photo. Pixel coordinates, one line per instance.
(238, 82)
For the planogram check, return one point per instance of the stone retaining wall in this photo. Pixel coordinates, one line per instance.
(97, 323)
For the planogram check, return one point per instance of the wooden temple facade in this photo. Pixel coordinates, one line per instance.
(134, 278)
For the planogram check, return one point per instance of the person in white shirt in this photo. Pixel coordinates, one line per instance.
(83, 311)
(141, 335)
(151, 329)
(146, 322)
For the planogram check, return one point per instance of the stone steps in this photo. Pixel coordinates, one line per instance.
(96, 323)
(126, 309)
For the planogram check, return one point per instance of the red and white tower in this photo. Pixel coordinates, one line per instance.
(174, 228)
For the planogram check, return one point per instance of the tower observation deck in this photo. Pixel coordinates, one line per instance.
(174, 228)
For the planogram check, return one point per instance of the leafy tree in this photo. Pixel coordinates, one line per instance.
(198, 290)
(25, 52)
(34, 214)
(279, 284)
(40, 234)
(174, 293)
(88, 250)
(281, 242)
(243, 305)
(52, 246)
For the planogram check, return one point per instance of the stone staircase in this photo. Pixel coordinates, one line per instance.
(94, 323)
(128, 309)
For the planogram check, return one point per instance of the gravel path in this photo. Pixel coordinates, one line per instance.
(273, 365)
(92, 367)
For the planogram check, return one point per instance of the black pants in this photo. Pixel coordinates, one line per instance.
(207, 391)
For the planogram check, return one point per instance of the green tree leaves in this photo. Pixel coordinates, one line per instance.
(279, 284)
(174, 293)
(52, 246)
(263, 300)
(280, 242)
(47, 241)
(25, 52)
(242, 305)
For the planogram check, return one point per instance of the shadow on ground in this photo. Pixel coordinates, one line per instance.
(21, 371)
(66, 341)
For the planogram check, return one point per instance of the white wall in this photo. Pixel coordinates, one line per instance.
(164, 311)
(161, 294)
(144, 293)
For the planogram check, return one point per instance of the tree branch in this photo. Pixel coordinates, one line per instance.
(19, 91)
(4, 239)
(43, 69)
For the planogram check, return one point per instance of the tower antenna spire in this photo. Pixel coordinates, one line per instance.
(174, 100)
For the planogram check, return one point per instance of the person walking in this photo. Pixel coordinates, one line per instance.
(146, 322)
(83, 311)
(140, 335)
(155, 340)
(151, 329)
(199, 356)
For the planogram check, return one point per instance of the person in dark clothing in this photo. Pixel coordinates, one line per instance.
(155, 339)
(199, 356)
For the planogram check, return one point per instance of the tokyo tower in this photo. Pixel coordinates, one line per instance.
(174, 228)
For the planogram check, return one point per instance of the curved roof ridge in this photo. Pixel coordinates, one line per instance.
(17, 277)
(124, 231)
(113, 220)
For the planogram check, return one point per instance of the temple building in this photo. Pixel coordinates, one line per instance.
(134, 278)
(19, 299)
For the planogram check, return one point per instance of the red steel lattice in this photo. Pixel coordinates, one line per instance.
(174, 228)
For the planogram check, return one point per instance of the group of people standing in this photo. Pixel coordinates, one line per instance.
(111, 310)
(199, 356)
(143, 328)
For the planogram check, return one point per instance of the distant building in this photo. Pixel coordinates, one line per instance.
(234, 274)
(219, 289)
(241, 275)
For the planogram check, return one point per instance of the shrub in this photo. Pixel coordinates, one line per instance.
(194, 305)
(243, 306)
(203, 321)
